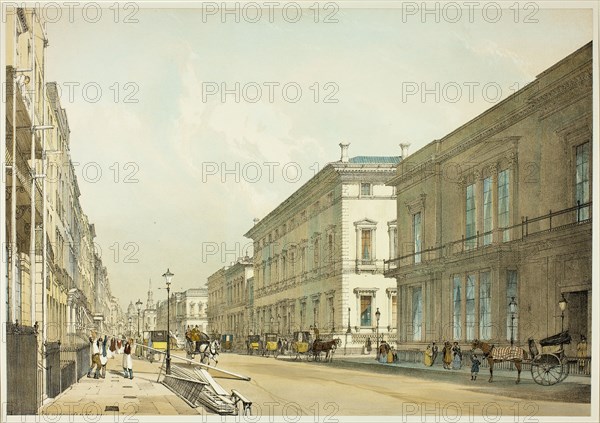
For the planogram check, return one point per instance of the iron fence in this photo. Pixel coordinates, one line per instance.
(75, 362)
(53, 370)
(23, 387)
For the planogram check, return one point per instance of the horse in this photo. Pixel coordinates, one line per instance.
(328, 347)
(497, 354)
(209, 351)
(334, 344)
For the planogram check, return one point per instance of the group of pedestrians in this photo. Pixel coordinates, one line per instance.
(452, 357)
(101, 354)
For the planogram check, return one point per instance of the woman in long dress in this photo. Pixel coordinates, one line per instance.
(447, 355)
(457, 359)
(428, 359)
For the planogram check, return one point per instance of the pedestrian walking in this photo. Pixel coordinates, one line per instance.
(434, 350)
(127, 360)
(95, 344)
(475, 363)
(447, 355)
(103, 356)
(582, 353)
(428, 359)
(457, 357)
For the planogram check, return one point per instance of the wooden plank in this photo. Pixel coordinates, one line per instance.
(236, 375)
(214, 385)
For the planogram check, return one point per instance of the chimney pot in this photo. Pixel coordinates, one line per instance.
(344, 147)
(404, 148)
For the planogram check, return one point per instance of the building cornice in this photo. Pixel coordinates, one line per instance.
(529, 100)
(331, 176)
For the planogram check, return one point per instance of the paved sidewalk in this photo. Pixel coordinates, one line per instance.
(465, 372)
(141, 395)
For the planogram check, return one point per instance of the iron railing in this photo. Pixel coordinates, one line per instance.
(552, 221)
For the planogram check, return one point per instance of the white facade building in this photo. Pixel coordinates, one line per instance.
(318, 256)
(187, 308)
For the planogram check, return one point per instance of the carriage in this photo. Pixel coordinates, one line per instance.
(194, 340)
(227, 342)
(551, 365)
(156, 339)
(270, 345)
(547, 368)
(301, 345)
(253, 344)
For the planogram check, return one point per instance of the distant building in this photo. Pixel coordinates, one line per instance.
(187, 308)
(229, 293)
(149, 312)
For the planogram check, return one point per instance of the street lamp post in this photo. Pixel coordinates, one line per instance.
(332, 319)
(139, 308)
(562, 304)
(513, 309)
(348, 331)
(377, 316)
(168, 276)
(130, 326)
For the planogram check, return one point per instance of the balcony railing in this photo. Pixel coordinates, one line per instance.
(552, 221)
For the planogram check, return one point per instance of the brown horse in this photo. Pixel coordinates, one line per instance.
(498, 354)
(328, 347)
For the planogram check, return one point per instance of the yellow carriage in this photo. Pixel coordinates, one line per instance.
(253, 344)
(301, 344)
(271, 345)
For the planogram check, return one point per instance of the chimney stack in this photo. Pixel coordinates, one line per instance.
(344, 147)
(404, 147)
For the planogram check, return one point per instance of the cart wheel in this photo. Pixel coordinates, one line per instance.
(546, 369)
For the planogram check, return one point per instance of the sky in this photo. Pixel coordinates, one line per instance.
(186, 125)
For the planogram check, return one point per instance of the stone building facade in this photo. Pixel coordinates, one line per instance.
(499, 211)
(318, 256)
(53, 275)
(231, 290)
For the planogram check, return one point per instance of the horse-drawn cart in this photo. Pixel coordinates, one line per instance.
(227, 342)
(270, 345)
(547, 368)
(301, 345)
(194, 340)
(551, 365)
(253, 344)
